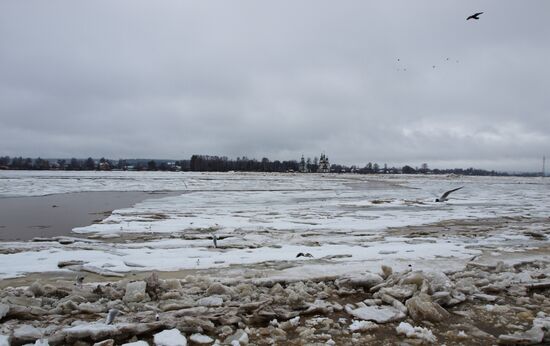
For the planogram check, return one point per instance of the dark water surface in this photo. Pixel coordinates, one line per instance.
(23, 218)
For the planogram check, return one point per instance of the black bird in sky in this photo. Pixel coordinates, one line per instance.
(444, 196)
(474, 16)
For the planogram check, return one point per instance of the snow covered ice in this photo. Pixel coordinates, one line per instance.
(271, 217)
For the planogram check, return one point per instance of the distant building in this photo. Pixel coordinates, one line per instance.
(324, 165)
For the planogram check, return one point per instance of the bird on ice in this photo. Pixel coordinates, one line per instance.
(475, 16)
(215, 240)
(111, 315)
(444, 196)
(79, 281)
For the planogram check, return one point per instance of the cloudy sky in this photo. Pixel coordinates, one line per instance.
(353, 79)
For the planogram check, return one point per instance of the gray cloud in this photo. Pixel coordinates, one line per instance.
(278, 79)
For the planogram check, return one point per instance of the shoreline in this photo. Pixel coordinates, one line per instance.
(486, 302)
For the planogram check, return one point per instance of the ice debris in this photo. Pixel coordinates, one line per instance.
(415, 332)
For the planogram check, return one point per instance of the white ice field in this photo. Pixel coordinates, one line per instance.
(264, 220)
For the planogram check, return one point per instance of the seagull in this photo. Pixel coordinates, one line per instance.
(444, 196)
(475, 16)
(111, 315)
(215, 240)
(79, 281)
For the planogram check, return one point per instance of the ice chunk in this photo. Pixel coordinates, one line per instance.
(362, 326)
(422, 308)
(379, 314)
(170, 337)
(530, 337)
(135, 292)
(295, 322)
(239, 338)
(95, 331)
(4, 309)
(415, 332)
(27, 332)
(210, 301)
(137, 343)
(201, 339)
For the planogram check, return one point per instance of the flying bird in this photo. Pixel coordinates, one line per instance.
(444, 196)
(475, 16)
(307, 254)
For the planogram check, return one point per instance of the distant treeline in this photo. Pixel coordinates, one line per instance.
(206, 163)
(90, 164)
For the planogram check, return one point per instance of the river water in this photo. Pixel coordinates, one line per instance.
(24, 218)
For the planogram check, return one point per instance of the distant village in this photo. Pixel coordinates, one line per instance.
(208, 163)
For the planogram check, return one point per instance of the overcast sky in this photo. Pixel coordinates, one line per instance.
(168, 79)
